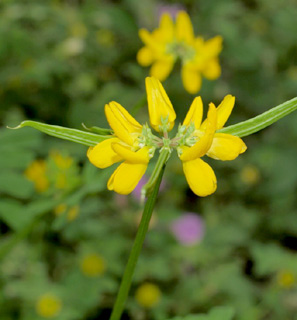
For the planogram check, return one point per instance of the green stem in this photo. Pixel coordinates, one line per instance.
(138, 242)
(164, 155)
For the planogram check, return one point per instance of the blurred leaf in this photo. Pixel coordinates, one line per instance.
(78, 136)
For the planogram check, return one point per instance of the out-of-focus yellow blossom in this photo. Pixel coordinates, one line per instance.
(48, 306)
(250, 175)
(61, 161)
(72, 213)
(59, 209)
(286, 279)
(135, 144)
(78, 30)
(172, 41)
(37, 173)
(148, 295)
(93, 265)
(105, 38)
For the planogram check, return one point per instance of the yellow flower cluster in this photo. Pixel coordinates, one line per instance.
(148, 295)
(170, 42)
(48, 305)
(92, 265)
(135, 144)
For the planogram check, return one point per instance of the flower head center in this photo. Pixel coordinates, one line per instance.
(181, 50)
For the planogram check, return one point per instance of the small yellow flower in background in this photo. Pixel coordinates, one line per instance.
(48, 306)
(136, 144)
(37, 173)
(61, 161)
(59, 209)
(148, 295)
(72, 213)
(286, 279)
(250, 175)
(92, 265)
(172, 41)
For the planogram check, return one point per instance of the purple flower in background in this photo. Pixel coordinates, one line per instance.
(136, 193)
(188, 229)
(171, 9)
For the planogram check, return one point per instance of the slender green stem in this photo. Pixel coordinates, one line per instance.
(138, 242)
(164, 155)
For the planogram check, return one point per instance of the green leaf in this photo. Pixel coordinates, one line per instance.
(74, 135)
(102, 131)
(262, 121)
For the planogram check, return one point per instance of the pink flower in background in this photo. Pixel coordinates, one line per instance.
(171, 9)
(136, 193)
(188, 229)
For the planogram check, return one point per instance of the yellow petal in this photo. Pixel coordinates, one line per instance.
(184, 28)
(191, 79)
(145, 56)
(203, 144)
(149, 40)
(140, 156)
(224, 110)
(159, 104)
(102, 155)
(122, 123)
(212, 70)
(126, 177)
(226, 147)
(161, 68)
(200, 177)
(195, 113)
(167, 27)
(213, 46)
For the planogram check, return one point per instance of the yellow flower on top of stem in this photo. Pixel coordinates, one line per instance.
(170, 42)
(135, 144)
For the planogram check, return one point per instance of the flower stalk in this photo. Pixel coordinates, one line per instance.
(139, 239)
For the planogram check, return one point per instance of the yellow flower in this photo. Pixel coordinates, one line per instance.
(250, 175)
(72, 213)
(199, 139)
(172, 41)
(135, 144)
(132, 143)
(37, 173)
(93, 265)
(48, 306)
(286, 279)
(61, 161)
(148, 295)
(59, 209)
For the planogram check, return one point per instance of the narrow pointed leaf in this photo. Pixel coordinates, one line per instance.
(74, 135)
(261, 121)
(98, 130)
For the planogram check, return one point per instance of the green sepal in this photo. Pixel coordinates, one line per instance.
(74, 135)
(261, 121)
(101, 131)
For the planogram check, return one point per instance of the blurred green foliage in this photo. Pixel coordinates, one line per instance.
(61, 61)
